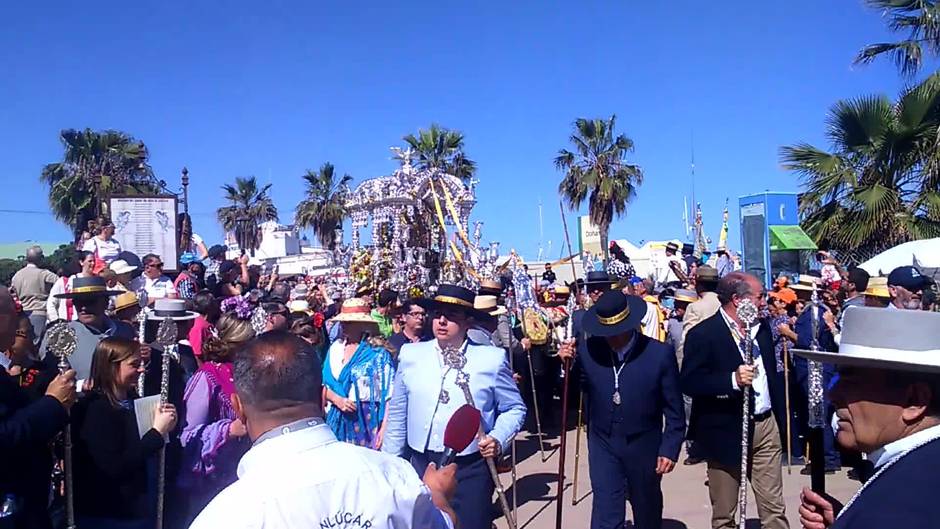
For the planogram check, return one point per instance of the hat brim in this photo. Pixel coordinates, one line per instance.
(434, 305)
(355, 318)
(123, 271)
(84, 295)
(189, 315)
(592, 325)
(127, 306)
(857, 361)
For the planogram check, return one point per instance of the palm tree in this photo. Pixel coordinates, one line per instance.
(250, 206)
(920, 19)
(879, 185)
(94, 166)
(442, 149)
(324, 207)
(598, 171)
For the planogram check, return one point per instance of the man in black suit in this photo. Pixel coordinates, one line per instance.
(25, 432)
(634, 408)
(713, 373)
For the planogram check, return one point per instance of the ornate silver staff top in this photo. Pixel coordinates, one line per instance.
(166, 336)
(815, 370)
(61, 341)
(747, 312)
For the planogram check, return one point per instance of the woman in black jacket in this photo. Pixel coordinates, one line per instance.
(111, 489)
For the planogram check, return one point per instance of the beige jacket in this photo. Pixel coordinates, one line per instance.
(697, 312)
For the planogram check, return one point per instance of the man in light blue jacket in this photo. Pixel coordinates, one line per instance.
(429, 388)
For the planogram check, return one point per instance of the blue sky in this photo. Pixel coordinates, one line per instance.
(273, 88)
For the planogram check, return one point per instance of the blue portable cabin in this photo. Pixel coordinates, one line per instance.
(772, 241)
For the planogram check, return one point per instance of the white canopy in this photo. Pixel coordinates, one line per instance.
(924, 254)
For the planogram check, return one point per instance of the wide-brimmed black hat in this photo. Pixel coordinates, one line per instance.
(614, 313)
(88, 287)
(598, 278)
(451, 297)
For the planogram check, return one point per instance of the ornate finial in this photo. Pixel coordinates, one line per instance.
(167, 332)
(61, 341)
(747, 312)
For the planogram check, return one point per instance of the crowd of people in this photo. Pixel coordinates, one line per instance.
(290, 405)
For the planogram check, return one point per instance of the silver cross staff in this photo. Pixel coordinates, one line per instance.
(61, 341)
(747, 313)
(167, 338)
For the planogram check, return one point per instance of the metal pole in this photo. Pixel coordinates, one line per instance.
(559, 505)
(184, 178)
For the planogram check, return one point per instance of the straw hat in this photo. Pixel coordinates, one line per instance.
(121, 266)
(125, 300)
(688, 296)
(490, 287)
(354, 310)
(488, 305)
(878, 287)
(88, 287)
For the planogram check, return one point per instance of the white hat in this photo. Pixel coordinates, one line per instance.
(298, 305)
(175, 309)
(121, 267)
(899, 340)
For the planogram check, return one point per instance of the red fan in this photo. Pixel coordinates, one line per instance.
(461, 429)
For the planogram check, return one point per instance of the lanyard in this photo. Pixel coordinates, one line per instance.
(295, 426)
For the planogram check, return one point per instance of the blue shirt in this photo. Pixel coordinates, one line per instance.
(418, 415)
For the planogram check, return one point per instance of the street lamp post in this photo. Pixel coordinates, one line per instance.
(184, 179)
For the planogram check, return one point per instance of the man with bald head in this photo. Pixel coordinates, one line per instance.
(297, 474)
(32, 285)
(26, 430)
(714, 374)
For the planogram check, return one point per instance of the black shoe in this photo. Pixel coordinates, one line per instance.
(692, 461)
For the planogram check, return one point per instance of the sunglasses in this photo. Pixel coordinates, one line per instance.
(155, 265)
(450, 315)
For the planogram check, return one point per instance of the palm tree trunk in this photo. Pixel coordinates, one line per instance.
(604, 229)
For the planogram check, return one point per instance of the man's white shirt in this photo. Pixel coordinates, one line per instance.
(161, 287)
(759, 385)
(308, 479)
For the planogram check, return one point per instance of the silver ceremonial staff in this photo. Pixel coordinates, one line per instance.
(747, 313)
(141, 331)
(167, 338)
(817, 415)
(61, 341)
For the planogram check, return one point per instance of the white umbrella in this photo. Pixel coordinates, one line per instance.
(924, 254)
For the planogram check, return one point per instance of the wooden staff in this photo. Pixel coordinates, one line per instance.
(61, 341)
(167, 335)
(786, 393)
(559, 505)
(577, 450)
(463, 381)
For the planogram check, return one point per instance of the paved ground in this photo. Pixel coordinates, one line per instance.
(686, 502)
